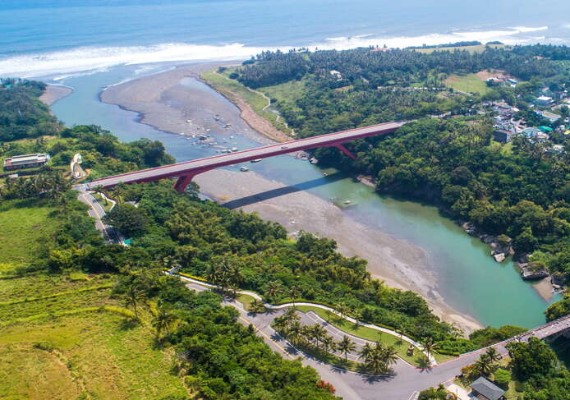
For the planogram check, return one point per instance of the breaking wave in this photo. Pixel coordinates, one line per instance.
(89, 59)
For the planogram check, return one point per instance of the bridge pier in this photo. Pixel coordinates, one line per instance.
(345, 151)
(182, 182)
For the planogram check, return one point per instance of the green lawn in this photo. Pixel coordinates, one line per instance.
(370, 334)
(469, 83)
(91, 352)
(22, 226)
(232, 89)
(286, 93)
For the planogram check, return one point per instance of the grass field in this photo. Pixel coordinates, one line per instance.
(286, 93)
(22, 226)
(371, 334)
(231, 88)
(469, 83)
(90, 353)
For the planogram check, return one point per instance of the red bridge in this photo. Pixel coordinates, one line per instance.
(187, 170)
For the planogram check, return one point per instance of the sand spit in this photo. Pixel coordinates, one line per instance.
(54, 93)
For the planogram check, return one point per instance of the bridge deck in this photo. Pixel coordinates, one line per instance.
(191, 168)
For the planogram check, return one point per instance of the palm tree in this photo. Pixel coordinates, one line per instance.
(273, 289)
(429, 345)
(493, 354)
(318, 332)
(133, 297)
(365, 351)
(294, 293)
(163, 321)
(389, 355)
(346, 345)
(484, 365)
(257, 306)
(375, 362)
(342, 309)
(295, 332)
(328, 343)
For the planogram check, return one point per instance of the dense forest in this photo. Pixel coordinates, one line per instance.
(520, 193)
(22, 114)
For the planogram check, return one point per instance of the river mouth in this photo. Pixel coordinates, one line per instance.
(407, 244)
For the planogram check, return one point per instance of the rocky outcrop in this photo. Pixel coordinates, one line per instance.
(533, 271)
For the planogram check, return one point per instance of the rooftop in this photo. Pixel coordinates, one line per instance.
(487, 388)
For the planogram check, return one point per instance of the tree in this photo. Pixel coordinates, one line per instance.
(134, 296)
(328, 343)
(346, 345)
(318, 332)
(163, 321)
(532, 359)
(128, 219)
(429, 345)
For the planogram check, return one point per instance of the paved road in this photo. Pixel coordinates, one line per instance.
(350, 385)
(407, 379)
(205, 164)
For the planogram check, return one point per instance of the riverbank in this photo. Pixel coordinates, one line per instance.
(397, 262)
(169, 100)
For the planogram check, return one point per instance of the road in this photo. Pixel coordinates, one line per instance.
(405, 381)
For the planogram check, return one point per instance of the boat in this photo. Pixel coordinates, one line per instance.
(234, 149)
(244, 169)
(256, 160)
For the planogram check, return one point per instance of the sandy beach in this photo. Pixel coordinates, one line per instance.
(173, 102)
(54, 93)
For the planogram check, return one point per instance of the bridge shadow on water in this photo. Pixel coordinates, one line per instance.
(273, 193)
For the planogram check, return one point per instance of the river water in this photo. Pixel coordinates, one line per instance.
(468, 278)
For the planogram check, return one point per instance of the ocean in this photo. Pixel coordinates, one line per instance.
(40, 38)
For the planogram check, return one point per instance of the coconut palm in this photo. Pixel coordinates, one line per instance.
(429, 345)
(318, 332)
(163, 321)
(328, 343)
(346, 345)
(493, 354)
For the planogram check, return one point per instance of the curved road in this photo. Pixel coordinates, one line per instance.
(406, 381)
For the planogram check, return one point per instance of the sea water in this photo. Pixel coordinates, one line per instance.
(43, 37)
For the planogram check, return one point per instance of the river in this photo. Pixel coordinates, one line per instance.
(468, 279)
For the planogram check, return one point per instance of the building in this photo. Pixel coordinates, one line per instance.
(502, 135)
(551, 117)
(25, 161)
(484, 389)
(543, 101)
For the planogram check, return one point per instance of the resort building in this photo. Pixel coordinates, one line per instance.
(25, 161)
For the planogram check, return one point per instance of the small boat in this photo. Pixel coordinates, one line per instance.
(256, 160)
(234, 149)
(347, 202)
(244, 169)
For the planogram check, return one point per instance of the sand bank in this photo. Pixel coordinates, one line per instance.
(54, 93)
(171, 101)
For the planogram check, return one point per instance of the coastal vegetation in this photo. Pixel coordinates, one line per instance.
(519, 192)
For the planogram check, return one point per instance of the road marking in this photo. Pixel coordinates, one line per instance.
(268, 337)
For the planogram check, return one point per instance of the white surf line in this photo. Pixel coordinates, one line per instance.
(256, 296)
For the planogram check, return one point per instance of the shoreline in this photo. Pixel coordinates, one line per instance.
(54, 93)
(168, 100)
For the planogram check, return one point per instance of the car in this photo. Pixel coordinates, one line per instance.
(284, 147)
